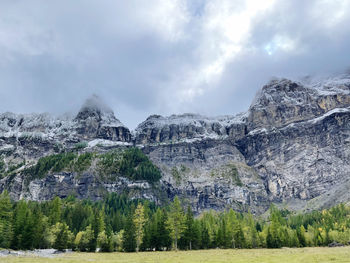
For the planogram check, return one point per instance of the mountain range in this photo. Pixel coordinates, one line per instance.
(291, 148)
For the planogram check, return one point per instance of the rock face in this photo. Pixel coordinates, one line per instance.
(96, 120)
(188, 127)
(290, 147)
(37, 134)
(283, 101)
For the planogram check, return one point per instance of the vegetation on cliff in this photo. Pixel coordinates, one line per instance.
(131, 163)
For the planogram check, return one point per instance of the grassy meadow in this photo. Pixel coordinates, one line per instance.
(285, 255)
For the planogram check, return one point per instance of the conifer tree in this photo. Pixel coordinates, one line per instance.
(62, 236)
(139, 222)
(129, 239)
(190, 235)
(205, 238)
(5, 220)
(301, 236)
(176, 221)
(55, 211)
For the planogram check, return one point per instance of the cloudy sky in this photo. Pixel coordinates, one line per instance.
(163, 56)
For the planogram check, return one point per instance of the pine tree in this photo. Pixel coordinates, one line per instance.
(84, 240)
(104, 243)
(23, 227)
(205, 238)
(62, 236)
(190, 235)
(160, 236)
(129, 239)
(301, 236)
(5, 220)
(139, 222)
(238, 236)
(55, 211)
(175, 222)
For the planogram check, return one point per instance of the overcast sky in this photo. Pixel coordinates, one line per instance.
(163, 56)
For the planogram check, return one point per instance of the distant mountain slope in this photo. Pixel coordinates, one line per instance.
(290, 147)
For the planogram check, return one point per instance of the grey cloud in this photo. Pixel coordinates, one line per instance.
(57, 53)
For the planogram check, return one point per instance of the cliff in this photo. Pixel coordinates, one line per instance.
(290, 148)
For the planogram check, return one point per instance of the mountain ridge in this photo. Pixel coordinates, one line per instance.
(289, 147)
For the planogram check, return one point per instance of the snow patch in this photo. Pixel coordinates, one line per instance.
(106, 143)
(329, 113)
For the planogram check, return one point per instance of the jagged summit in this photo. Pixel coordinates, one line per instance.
(300, 91)
(283, 101)
(96, 120)
(95, 107)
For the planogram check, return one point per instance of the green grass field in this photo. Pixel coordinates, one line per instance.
(297, 255)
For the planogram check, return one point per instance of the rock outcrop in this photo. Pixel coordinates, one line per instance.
(96, 120)
(290, 147)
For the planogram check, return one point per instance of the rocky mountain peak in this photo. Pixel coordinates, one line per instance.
(283, 101)
(96, 120)
(283, 91)
(94, 107)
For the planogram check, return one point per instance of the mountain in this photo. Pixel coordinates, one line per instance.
(290, 148)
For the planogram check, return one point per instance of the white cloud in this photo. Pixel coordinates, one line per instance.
(329, 13)
(168, 17)
(225, 28)
(162, 56)
(281, 43)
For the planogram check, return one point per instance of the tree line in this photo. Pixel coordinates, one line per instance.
(119, 224)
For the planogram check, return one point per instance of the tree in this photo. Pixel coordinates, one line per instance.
(84, 240)
(5, 220)
(139, 222)
(160, 236)
(176, 221)
(129, 240)
(23, 227)
(117, 241)
(190, 235)
(62, 236)
(238, 236)
(205, 238)
(104, 243)
(274, 237)
(55, 210)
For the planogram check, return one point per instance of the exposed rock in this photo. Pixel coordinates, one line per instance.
(335, 244)
(96, 120)
(188, 127)
(283, 101)
(290, 147)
